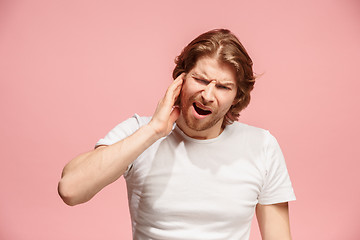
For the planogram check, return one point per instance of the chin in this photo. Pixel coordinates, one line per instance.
(201, 124)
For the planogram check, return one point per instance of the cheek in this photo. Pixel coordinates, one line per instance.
(187, 92)
(184, 97)
(227, 101)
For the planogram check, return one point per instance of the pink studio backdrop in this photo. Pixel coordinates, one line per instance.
(72, 70)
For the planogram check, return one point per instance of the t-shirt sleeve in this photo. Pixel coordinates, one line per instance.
(277, 186)
(123, 130)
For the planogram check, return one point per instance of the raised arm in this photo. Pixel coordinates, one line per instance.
(273, 221)
(88, 173)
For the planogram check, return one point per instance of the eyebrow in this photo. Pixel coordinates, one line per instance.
(198, 75)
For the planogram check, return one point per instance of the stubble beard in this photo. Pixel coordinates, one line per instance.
(198, 124)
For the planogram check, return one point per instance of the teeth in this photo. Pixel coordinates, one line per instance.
(201, 111)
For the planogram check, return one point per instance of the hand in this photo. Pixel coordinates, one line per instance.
(166, 113)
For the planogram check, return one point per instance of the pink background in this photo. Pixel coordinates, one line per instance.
(72, 70)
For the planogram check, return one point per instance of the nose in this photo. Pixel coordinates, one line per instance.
(208, 93)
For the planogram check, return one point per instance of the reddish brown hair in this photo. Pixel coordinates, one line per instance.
(226, 47)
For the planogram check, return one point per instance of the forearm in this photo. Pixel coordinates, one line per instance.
(87, 174)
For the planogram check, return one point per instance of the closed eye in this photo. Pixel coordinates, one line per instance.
(223, 87)
(206, 82)
(202, 81)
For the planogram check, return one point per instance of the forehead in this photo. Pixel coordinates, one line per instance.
(212, 69)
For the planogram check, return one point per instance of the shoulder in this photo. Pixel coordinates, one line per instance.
(253, 137)
(250, 133)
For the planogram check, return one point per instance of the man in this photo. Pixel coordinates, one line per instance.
(192, 171)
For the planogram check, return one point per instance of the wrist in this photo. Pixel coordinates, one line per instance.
(153, 132)
(155, 129)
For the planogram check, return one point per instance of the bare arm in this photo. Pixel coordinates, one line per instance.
(273, 221)
(88, 173)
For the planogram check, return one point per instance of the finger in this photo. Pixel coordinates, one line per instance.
(177, 82)
(175, 113)
(181, 76)
(174, 90)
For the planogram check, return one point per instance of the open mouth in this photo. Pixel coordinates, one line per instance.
(201, 111)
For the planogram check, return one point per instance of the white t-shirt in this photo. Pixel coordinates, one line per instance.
(184, 188)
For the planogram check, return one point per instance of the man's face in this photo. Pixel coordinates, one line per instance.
(207, 94)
